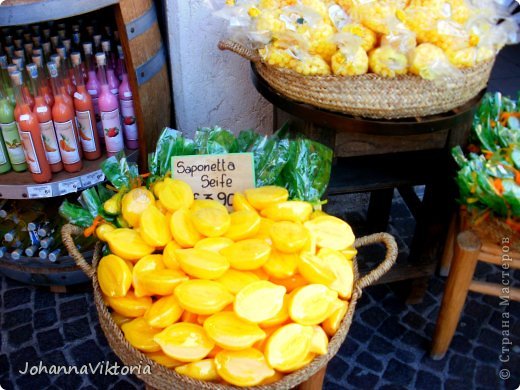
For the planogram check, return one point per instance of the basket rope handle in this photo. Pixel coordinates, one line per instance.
(241, 50)
(389, 260)
(67, 231)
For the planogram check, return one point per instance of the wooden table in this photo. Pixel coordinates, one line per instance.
(378, 156)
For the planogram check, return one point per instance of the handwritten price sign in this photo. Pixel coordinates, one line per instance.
(216, 176)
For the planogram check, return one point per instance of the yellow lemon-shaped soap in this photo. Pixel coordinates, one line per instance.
(114, 276)
(315, 269)
(161, 358)
(176, 194)
(280, 318)
(342, 268)
(134, 203)
(240, 202)
(163, 312)
(247, 254)
(230, 332)
(185, 342)
(102, 230)
(291, 283)
(162, 281)
(183, 230)
(287, 347)
(263, 197)
(205, 203)
(281, 265)
(169, 258)
(130, 305)
(213, 244)
(311, 304)
(319, 341)
(203, 370)
(259, 301)
(210, 221)
(244, 224)
(247, 367)
(146, 264)
(331, 232)
(119, 319)
(292, 210)
(202, 264)
(203, 296)
(236, 280)
(154, 228)
(333, 322)
(128, 244)
(140, 335)
(288, 237)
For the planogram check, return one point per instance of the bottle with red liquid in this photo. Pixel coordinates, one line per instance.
(43, 82)
(65, 124)
(93, 87)
(55, 58)
(112, 80)
(85, 113)
(44, 115)
(65, 70)
(19, 62)
(109, 107)
(30, 134)
(127, 106)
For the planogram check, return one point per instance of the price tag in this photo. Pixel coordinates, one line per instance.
(39, 191)
(216, 176)
(69, 186)
(92, 178)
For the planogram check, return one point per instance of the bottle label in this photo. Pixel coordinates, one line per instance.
(112, 130)
(78, 96)
(86, 133)
(13, 142)
(67, 142)
(128, 113)
(50, 143)
(30, 152)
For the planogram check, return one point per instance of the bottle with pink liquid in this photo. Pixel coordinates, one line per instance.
(127, 106)
(109, 107)
(93, 87)
(112, 80)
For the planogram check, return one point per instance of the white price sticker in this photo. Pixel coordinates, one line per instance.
(67, 187)
(39, 191)
(92, 178)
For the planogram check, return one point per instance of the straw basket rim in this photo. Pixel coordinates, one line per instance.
(165, 378)
(371, 95)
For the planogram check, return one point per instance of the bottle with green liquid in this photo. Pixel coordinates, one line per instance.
(11, 138)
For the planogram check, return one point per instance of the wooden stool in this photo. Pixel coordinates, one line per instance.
(462, 251)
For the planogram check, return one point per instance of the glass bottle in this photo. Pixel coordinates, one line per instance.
(127, 107)
(112, 80)
(93, 87)
(10, 135)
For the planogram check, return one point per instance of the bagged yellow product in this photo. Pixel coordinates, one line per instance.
(368, 37)
(311, 65)
(375, 14)
(276, 56)
(431, 63)
(387, 62)
(399, 37)
(114, 276)
(141, 335)
(463, 58)
(320, 39)
(134, 203)
(351, 59)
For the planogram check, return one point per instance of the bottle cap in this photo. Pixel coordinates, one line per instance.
(54, 40)
(28, 47)
(101, 59)
(32, 69)
(38, 60)
(46, 46)
(37, 40)
(66, 43)
(19, 53)
(37, 52)
(105, 45)
(18, 61)
(87, 48)
(56, 59)
(75, 27)
(3, 61)
(16, 77)
(62, 52)
(75, 57)
(97, 40)
(11, 68)
(53, 69)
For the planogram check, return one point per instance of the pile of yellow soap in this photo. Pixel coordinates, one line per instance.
(239, 297)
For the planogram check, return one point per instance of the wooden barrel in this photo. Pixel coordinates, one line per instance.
(145, 56)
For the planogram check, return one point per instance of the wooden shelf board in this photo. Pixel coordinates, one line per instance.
(17, 12)
(19, 185)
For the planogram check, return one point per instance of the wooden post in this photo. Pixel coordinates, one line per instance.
(315, 382)
(461, 274)
(447, 255)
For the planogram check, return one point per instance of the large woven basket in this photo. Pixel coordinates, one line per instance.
(163, 378)
(370, 95)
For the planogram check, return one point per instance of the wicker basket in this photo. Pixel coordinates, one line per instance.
(163, 378)
(370, 95)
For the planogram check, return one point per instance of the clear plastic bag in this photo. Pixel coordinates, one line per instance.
(350, 59)
(431, 63)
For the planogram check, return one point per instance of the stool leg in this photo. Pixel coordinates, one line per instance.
(379, 209)
(315, 382)
(447, 255)
(461, 274)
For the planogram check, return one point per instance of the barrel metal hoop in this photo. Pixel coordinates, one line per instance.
(142, 23)
(150, 68)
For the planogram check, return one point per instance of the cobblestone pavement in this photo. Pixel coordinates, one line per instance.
(386, 348)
